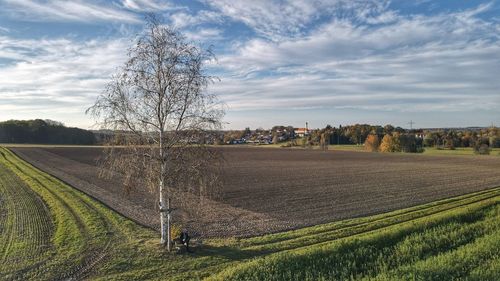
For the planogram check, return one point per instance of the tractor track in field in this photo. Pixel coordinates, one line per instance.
(91, 256)
(77, 266)
(27, 224)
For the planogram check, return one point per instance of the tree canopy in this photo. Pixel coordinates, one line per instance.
(40, 131)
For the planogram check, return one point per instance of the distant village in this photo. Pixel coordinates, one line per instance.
(260, 136)
(446, 138)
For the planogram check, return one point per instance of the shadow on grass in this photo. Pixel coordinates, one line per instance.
(226, 252)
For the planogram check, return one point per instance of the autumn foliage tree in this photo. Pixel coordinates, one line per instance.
(372, 143)
(391, 143)
(386, 144)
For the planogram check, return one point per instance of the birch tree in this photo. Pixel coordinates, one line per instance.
(162, 115)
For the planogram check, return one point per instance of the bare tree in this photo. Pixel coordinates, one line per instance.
(324, 141)
(158, 101)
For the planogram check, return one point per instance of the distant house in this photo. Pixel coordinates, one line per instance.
(301, 132)
(240, 141)
(237, 141)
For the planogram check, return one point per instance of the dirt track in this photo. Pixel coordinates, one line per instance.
(269, 190)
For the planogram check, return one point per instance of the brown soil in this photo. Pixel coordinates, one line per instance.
(270, 190)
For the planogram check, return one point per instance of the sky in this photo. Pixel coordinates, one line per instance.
(436, 63)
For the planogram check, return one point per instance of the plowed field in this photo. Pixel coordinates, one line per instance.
(271, 190)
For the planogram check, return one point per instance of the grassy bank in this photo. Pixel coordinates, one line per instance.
(73, 236)
(460, 244)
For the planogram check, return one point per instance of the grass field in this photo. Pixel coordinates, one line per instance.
(459, 151)
(52, 231)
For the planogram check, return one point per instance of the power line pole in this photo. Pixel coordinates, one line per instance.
(411, 124)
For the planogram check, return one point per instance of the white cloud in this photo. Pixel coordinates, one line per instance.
(184, 19)
(58, 10)
(343, 39)
(386, 17)
(147, 5)
(484, 7)
(204, 35)
(282, 19)
(56, 77)
(269, 18)
(446, 62)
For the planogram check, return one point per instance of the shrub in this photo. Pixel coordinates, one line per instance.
(410, 144)
(482, 149)
(175, 230)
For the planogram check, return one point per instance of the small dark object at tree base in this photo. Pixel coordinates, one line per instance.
(184, 238)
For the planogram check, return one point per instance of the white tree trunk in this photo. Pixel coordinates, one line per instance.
(169, 232)
(165, 239)
(164, 229)
(164, 206)
(165, 220)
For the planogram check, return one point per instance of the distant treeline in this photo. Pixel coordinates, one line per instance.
(43, 132)
(397, 138)
(440, 138)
